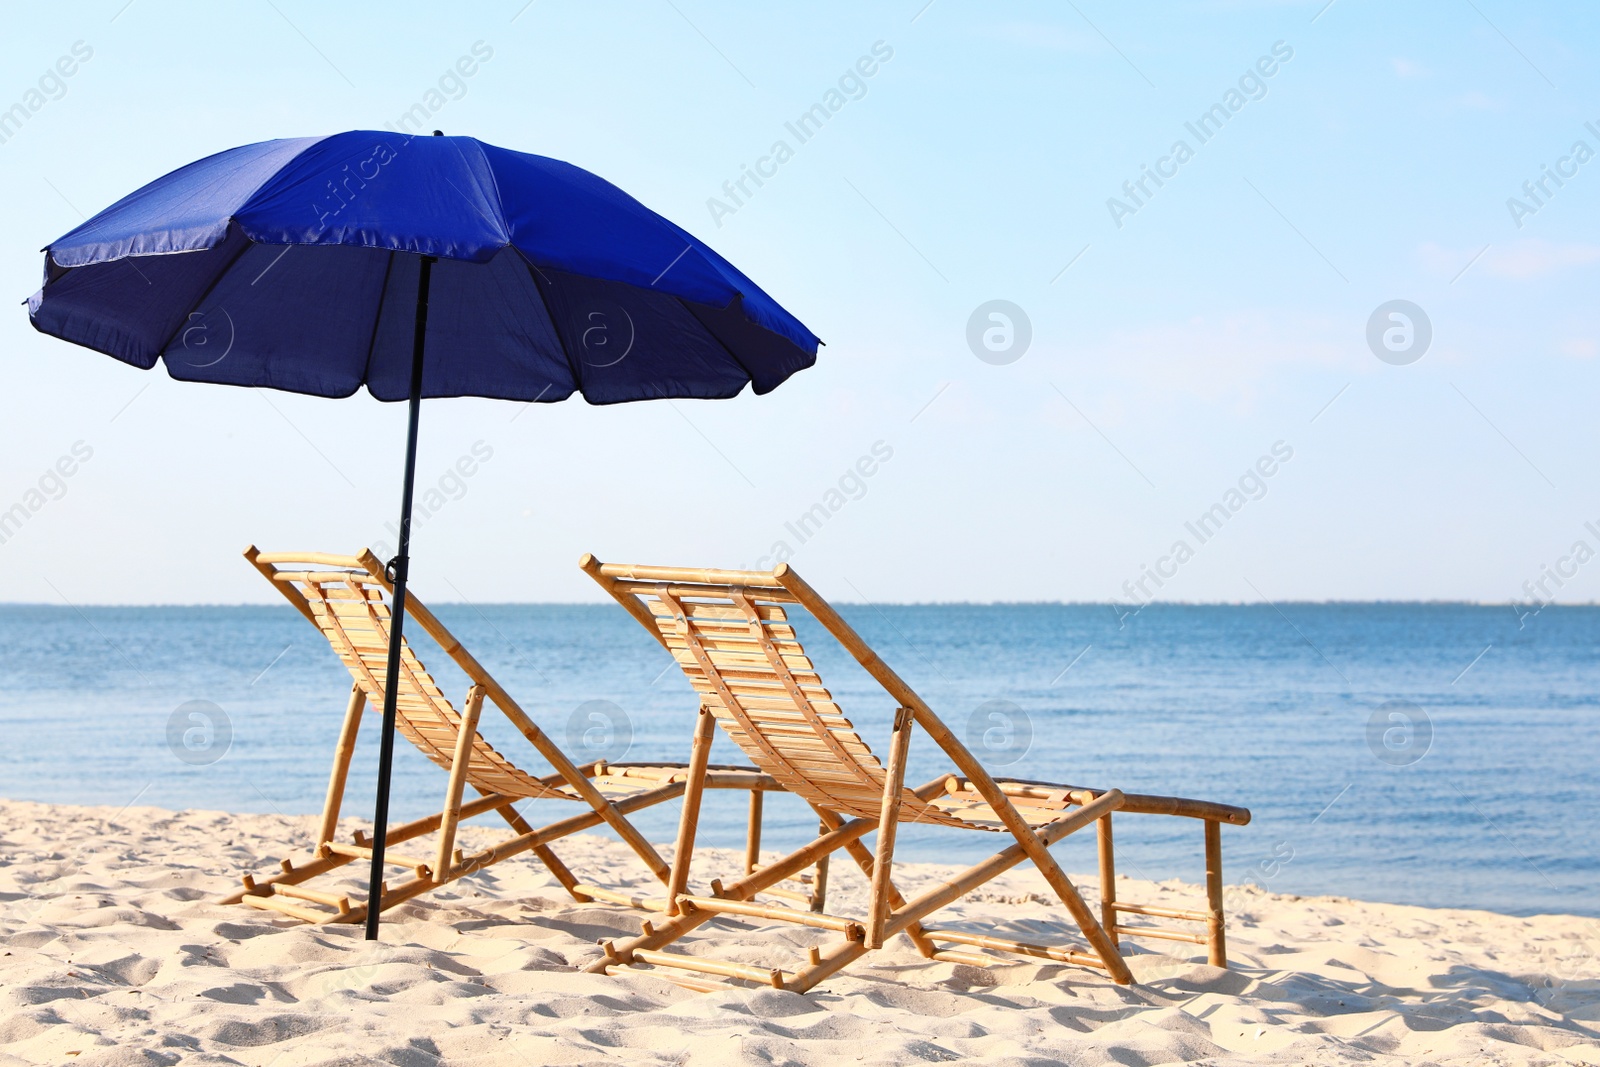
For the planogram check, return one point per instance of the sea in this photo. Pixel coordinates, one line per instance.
(1429, 754)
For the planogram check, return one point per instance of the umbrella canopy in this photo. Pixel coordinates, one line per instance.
(418, 267)
(292, 276)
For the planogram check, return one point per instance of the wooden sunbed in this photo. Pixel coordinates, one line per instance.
(730, 632)
(344, 598)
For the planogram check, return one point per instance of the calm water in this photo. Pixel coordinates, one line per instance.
(1477, 789)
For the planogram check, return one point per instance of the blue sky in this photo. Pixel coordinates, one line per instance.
(1225, 316)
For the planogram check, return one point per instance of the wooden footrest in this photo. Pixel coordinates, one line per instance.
(339, 901)
(760, 975)
(1161, 913)
(612, 896)
(297, 911)
(391, 858)
(787, 894)
(971, 959)
(1020, 948)
(1161, 932)
(690, 982)
(850, 928)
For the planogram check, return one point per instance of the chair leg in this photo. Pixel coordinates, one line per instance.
(451, 816)
(341, 766)
(694, 790)
(1108, 878)
(1216, 941)
(888, 822)
(752, 840)
(819, 880)
(866, 862)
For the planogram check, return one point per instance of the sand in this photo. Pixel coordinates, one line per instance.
(114, 954)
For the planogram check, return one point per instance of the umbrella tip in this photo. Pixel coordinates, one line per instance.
(438, 133)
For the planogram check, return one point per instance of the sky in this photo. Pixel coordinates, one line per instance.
(1058, 365)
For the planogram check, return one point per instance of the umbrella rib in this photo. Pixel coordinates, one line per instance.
(211, 285)
(377, 321)
(536, 274)
(503, 227)
(494, 182)
(737, 362)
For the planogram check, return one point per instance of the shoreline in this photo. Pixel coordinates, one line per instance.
(114, 951)
(231, 605)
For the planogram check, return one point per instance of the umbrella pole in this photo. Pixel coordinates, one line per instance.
(398, 568)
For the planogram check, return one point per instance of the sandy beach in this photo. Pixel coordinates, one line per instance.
(115, 954)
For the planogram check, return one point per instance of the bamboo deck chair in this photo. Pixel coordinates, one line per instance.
(344, 597)
(730, 631)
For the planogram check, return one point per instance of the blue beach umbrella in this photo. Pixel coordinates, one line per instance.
(416, 267)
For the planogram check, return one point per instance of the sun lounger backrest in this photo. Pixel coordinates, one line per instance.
(347, 604)
(731, 634)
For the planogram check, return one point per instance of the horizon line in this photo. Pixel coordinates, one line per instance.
(1112, 604)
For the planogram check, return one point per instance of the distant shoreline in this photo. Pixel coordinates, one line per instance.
(1108, 604)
